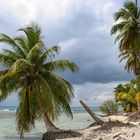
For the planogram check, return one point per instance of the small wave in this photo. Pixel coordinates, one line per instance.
(8, 110)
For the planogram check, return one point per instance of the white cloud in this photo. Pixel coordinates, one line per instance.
(27, 11)
(53, 11)
(94, 93)
(103, 11)
(68, 44)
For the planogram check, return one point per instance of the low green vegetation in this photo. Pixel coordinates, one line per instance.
(128, 95)
(109, 107)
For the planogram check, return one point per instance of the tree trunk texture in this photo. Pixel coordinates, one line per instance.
(54, 133)
(49, 125)
(92, 114)
(61, 135)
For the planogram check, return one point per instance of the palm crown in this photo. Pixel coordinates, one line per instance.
(128, 26)
(128, 35)
(29, 69)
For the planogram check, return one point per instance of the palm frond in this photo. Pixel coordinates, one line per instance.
(21, 65)
(62, 91)
(33, 35)
(6, 39)
(8, 85)
(22, 42)
(26, 112)
(48, 54)
(6, 60)
(35, 52)
(61, 65)
(45, 96)
(11, 54)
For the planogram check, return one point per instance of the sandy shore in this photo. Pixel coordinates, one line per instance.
(127, 132)
(115, 132)
(7, 114)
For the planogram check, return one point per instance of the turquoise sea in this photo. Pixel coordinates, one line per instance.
(81, 120)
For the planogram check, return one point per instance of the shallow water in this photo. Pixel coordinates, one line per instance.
(8, 125)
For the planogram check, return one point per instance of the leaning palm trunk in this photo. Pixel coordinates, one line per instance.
(92, 114)
(48, 123)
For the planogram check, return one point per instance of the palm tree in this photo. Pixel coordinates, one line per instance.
(125, 97)
(109, 107)
(128, 34)
(30, 70)
(128, 95)
(132, 61)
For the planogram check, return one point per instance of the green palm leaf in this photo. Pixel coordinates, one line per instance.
(61, 65)
(29, 70)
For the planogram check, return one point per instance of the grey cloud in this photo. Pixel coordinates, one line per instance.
(84, 38)
(97, 59)
(94, 51)
(94, 94)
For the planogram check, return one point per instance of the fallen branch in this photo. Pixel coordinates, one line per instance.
(92, 114)
(134, 117)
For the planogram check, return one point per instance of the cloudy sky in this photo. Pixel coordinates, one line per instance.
(82, 29)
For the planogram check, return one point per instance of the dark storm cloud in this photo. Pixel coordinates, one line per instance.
(98, 61)
(93, 49)
(82, 28)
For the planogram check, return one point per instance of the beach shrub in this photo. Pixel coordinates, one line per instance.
(109, 107)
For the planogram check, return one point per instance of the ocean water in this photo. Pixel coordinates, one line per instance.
(80, 120)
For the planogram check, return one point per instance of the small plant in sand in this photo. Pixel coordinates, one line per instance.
(109, 107)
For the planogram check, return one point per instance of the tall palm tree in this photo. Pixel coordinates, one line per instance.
(127, 29)
(30, 70)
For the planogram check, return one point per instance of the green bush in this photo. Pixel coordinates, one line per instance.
(109, 107)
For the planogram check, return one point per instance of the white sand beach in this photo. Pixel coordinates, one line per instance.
(128, 132)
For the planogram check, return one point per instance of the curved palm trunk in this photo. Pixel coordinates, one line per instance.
(92, 114)
(48, 123)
